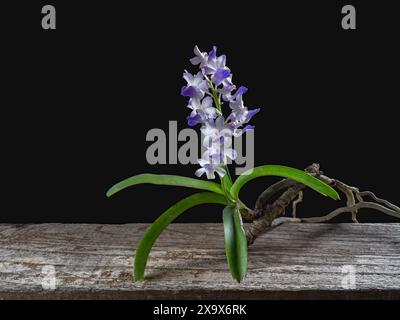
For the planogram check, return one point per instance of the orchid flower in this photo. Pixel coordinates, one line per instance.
(203, 110)
(214, 79)
(207, 91)
(196, 85)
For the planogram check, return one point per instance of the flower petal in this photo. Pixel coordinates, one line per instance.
(200, 172)
(248, 128)
(213, 53)
(241, 90)
(220, 75)
(192, 92)
(193, 119)
(206, 103)
(188, 77)
(250, 114)
(195, 60)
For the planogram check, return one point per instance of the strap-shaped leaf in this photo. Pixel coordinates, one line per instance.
(286, 172)
(152, 233)
(165, 179)
(235, 243)
(226, 184)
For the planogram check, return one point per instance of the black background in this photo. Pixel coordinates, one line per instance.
(78, 101)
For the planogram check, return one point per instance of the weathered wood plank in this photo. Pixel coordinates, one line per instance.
(188, 261)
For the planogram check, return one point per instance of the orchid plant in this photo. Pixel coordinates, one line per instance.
(209, 91)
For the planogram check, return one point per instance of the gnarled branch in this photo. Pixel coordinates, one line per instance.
(268, 213)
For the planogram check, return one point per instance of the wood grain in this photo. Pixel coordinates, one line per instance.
(188, 262)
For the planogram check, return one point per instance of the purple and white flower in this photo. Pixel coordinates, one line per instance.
(240, 114)
(215, 131)
(203, 110)
(196, 85)
(207, 91)
(200, 58)
(209, 167)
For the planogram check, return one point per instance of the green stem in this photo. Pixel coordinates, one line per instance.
(215, 97)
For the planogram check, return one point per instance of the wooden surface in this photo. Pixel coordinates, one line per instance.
(188, 262)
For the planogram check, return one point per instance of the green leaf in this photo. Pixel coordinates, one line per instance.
(152, 233)
(287, 172)
(226, 181)
(235, 243)
(226, 184)
(165, 179)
